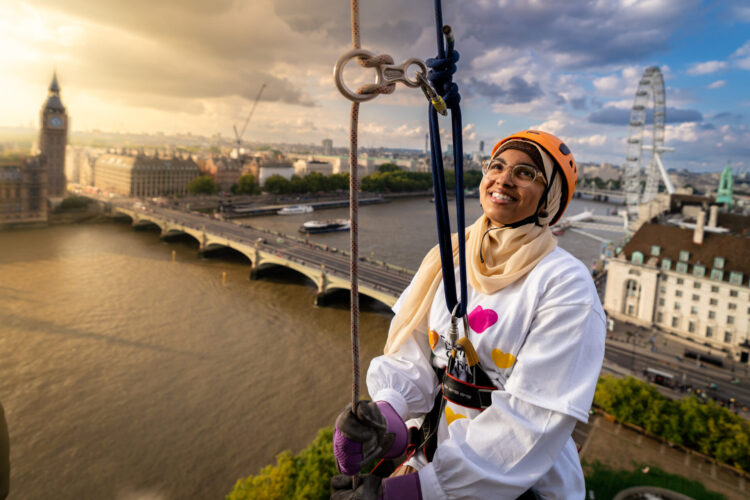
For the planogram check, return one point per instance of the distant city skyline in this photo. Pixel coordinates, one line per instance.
(571, 69)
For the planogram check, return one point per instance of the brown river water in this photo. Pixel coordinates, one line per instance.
(127, 376)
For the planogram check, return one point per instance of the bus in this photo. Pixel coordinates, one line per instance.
(706, 358)
(659, 377)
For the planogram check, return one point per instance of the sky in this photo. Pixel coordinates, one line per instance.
(570, 68)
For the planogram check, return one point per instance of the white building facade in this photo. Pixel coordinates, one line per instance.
(690, 282)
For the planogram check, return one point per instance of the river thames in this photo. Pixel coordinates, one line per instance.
(125, 375)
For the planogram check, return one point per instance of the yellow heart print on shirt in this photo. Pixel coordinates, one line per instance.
(502, 359)
(451, 416)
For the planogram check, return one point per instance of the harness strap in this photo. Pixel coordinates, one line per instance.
(462, 393)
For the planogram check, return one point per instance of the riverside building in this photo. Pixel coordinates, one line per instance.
(23, 190)
(687, 276)
(139, 175)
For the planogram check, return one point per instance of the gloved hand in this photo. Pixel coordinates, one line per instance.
(369, 487)
(370, 431)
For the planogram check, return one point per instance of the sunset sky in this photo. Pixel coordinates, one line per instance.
(569, 67)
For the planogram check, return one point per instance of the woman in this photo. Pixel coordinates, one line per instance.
(500, 404)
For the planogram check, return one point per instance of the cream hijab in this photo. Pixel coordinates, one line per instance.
(509, 255)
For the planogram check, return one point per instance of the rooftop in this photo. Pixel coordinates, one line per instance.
(733, 247)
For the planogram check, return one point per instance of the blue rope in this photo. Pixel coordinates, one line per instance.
(440, 76)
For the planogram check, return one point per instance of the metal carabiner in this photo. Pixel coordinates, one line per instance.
(385, 74)
(394, 74)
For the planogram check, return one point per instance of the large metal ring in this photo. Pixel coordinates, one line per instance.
(338, 75)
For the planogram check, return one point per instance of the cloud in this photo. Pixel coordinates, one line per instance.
(469, 133)
(705, 68)
(717, 84)
(516, 90)
(741, 57)
(620, 116)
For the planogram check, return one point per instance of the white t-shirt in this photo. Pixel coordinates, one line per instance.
(541, 341)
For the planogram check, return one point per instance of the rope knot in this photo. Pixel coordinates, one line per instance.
(441, 77)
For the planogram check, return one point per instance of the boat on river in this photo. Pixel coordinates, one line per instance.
(325, 226)
(295, 209)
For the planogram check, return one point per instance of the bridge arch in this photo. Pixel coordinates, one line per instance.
(335, 293)
(265, 266)
(220, 249)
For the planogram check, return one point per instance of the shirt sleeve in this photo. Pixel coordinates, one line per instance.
(499, 454)
(405, 379)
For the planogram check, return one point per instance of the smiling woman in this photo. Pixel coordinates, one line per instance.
(515, 359)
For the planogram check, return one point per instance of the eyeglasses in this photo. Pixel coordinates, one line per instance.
(521, 173)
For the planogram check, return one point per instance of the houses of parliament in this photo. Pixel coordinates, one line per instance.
(30, 183)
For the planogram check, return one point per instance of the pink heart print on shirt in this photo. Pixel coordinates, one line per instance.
(481, 319)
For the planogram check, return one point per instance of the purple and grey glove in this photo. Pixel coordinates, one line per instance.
(367, 487)
(370, 431)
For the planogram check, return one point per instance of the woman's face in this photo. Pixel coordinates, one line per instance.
(503, 200)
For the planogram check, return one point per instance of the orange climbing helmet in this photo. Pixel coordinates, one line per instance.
(560, 153)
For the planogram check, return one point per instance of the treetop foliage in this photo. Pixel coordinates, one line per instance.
(305, 476)
(203, 185)
(703, 426)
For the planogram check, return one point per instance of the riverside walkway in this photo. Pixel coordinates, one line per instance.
(327, 268)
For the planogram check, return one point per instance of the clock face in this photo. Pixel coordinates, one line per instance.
(55, 121)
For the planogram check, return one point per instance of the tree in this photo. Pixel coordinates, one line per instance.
(203, 185)
(388, 167)
(277, 184)
(303, 476)
(472, 178)
(246, 185)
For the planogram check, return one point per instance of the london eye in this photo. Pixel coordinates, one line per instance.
(649, 96)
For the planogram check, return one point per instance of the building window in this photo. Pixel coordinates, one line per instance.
(727, 337)
(717, 274)
(709, 332)
(714, 289)
(718, 262)
(684, 255)
(680, 281)
(655, 250)
(666, 265)
(732, 293)
(697, 285)
(676, 306)
(730, 320)
(637, 258)
(631, 310)
(663, 289)
(659, 317)
(699, 271)
(678, 293)
(695, 298)
(681, 267)
(693, 309)
(675, 321)
(735, 278)
(691, 327)
(713, 302)
(732, 305)
(661, 303)
(711, 314)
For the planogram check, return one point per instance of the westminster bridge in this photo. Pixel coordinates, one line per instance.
(328, 268)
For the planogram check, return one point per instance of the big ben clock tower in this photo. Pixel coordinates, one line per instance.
(53, 138)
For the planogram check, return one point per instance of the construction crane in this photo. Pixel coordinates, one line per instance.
(238, 136)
